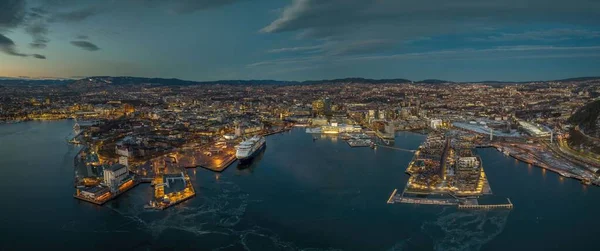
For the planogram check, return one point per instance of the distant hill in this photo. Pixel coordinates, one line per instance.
(578, 79)
(433, 81)
(106, 80)
(587, 115)
(125, 80)
(356, 80)
(18, 81)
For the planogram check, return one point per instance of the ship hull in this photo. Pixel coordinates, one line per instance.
(249, 158)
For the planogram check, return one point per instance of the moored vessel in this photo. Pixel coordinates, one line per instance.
(250, 148)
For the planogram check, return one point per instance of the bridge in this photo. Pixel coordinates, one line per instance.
(397, 148)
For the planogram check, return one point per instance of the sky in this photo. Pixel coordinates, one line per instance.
(458, 40)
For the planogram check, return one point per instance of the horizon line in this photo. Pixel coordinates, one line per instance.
(297, 81)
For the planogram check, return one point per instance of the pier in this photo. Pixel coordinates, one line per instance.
(278, 131)
(397, 148)
(219, 167)
(390, 200)
(507, 205)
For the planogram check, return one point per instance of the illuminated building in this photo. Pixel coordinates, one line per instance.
(114, 175)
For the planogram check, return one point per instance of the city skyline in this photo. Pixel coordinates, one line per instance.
(301, 40)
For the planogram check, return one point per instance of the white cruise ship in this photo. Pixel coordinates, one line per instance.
(250, 148)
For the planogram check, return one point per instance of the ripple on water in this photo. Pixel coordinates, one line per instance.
(457, 230)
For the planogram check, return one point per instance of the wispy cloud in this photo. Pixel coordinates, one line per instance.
(74, 15)
(88, 46)
(8, 47)
(286, 61)
(39, 32)
(344, 23)
(494, 53)
(297, 49)
(12, 13)
(542, 35)
(500, 52)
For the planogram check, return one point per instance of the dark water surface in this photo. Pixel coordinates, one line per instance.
(298, 195)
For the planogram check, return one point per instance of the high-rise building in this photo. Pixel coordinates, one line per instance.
(318, 106)
(322, 106)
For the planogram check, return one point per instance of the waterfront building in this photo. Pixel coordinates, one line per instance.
(248, 129)
(114, 175)
(95, 193)
(321, 121)
(331, 129)
(467, 173)
(435, 123)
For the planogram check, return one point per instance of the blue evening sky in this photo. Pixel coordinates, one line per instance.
(460, 40)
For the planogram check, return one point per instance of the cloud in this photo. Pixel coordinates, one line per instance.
(328, 17)
(360, 47)
(338, 48)
(297, 49)
(85, 45)
(38, 30)
(8, 47)
(542, 35)
(38, 56)
(188, 6)
(82, 37)
(74, 15)
(499, 52)
(287, 61)
(12, 13)
(493, 53)
(382, 25)
(371, 29)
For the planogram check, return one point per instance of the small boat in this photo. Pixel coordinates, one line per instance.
(151, 205)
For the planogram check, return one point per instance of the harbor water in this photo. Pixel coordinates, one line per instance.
(299, 194)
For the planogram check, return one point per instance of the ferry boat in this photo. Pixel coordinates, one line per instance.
(250, 148)
(316, 130)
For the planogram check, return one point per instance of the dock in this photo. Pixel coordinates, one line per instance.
(390, 200)
(105, 198)
(507, 205)
(358, 143)
(169, 192)
(221, 167)
(276, 132)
